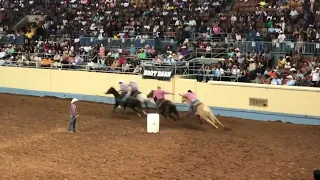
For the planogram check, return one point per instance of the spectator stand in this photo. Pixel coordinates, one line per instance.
(279, 26)
(69, 62)
(44, 60)
(204, 70)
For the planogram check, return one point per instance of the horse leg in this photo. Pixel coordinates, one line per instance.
(200, 120)
(168, 111)
(115, 107)
(197, 115)
(124, 110)
(220, 123)
(217, 120)
(210, 122)
(177, 114)
(163, 115)
(172, 117)
(134, 109)
(173, 109)
(146, 105)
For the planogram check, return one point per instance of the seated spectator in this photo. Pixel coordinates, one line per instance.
(290, 81)
(142, 54)
(315, 77)
(276, 80)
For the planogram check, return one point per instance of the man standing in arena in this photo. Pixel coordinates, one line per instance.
(159, 94)
(73, 116)
(123, 92)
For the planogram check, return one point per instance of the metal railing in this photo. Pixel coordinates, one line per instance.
(117, 43)
(33, 56)
(126, 43)
(223, 36)
(12, 39)
(96, 67)
(301, 47)
(211, 53)
(183, 68)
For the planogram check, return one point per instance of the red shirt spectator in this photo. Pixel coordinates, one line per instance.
(121, 61)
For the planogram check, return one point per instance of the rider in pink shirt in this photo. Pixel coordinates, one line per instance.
(193, 100)
(159, 94)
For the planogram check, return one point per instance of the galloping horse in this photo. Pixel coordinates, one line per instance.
(204, 112)
(141, 97)
(166, 108)
(131, 102)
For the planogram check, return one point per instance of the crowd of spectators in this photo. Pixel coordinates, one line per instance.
(195, 25)
(106, 18)
(292, 69)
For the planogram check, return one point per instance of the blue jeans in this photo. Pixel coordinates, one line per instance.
(158, 101)
(72, 124)
(191, 109)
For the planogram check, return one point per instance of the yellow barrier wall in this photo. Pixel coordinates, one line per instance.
(281, 99)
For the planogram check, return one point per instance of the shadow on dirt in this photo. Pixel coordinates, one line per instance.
(189, 123)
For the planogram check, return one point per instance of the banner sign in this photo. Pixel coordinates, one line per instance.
(158, 72)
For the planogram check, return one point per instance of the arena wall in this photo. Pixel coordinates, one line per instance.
(288, 104)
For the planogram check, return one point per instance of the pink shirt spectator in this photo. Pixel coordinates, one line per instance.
(84, 1)
(159, 94)
(216, 29)
(190, 96)
(157, 60)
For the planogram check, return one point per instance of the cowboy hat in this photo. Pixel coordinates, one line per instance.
(293, 69)
(74, 100)
(289, 77)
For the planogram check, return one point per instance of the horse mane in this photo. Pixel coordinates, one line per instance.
(150, 94)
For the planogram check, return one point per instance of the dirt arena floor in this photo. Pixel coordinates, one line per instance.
(34, 144)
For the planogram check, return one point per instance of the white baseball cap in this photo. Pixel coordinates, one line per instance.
(121, 81)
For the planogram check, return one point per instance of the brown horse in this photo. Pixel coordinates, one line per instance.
(204, 112)
(166, 107)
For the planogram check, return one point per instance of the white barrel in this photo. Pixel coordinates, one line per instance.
(153, 123)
